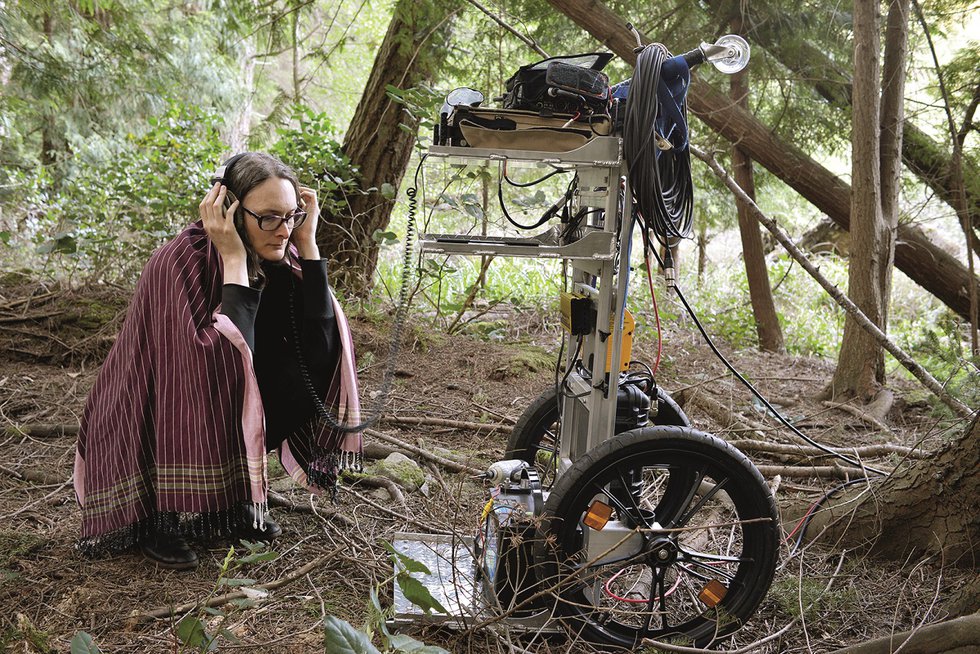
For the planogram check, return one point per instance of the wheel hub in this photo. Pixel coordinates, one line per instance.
(662, 551)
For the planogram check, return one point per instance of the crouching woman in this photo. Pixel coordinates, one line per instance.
(233, 346)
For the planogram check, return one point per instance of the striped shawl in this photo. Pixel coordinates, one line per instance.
(172, 439)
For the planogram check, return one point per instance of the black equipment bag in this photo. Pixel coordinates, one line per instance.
(572, 84)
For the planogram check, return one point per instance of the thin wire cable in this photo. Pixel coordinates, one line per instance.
(756, 393)
(395, 342)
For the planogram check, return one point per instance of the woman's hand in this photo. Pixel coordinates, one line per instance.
(220, 227)
(304, 237)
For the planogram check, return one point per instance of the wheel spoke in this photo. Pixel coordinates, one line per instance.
(690, 555)
(715, 569)
(627, 488)
(704, 500)
(690, 493)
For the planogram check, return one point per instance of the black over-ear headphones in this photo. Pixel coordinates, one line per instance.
(222, 171)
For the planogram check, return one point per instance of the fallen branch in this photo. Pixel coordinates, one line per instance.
(36, 476)
(167, 611)
(41, 431)
(845, 302)
(960, 635)
(863, 416)
(455, 466)
(328, 512)
(806, 450)
(380, 482)
(801, 472)
(480, 427)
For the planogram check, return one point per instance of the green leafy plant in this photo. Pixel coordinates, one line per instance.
(309, 146)
(341, 637)
(82, 643)
(192, 630)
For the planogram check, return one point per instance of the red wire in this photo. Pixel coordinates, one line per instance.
(802, 520)
(656, 313)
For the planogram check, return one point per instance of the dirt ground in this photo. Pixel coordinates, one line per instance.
(54, 341)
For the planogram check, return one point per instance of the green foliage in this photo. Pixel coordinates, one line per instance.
(342, 638)
(310, 147)
(192, 631)
(939, 344)
(82, 643)
(124, 199)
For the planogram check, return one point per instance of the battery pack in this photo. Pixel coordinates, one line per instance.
(577, 314)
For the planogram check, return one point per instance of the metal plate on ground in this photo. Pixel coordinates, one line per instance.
(454, 583)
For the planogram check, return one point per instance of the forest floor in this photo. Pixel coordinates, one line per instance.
(54, 341)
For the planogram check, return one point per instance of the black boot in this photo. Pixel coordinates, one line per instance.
(169, 552)
(249, 528)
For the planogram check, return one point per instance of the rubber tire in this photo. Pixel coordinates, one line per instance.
(748, 492)
(525, 440)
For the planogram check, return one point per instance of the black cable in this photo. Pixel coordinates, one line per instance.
(507, 179)
(660, 179)
(395, 341)
(816, 506)
(756, 393)
(548, 215)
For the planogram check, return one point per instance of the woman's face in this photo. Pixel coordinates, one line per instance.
(273, 196)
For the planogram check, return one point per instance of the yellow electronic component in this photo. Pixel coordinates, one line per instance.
(626, 349)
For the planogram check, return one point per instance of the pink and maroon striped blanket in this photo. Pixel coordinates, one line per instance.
(173, 437)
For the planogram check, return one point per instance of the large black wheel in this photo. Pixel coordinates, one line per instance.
(688, 554)
(535, 436)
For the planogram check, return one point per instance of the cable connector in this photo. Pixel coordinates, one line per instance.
(669, 276)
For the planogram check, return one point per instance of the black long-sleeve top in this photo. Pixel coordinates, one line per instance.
(264, 319)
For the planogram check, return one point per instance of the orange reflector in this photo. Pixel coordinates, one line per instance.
(713, 592)
(598, 515)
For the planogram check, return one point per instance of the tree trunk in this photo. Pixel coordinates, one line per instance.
(861, 365)
(928, 508)
(760, 291)
(892, 128)
(927, 158)
(377, 142)
(916, 255)
(240, 126)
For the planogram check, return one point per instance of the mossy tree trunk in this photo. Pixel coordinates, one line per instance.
(380, 138)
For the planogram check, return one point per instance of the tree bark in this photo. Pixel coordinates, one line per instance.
(958, 636)
(760, 291)
(892, 129)
(927, 158)
(378, 143)
(860, 368)
(916, 255)
(929, 508)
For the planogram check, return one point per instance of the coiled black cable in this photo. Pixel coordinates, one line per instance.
(395, 342)
(660, 179)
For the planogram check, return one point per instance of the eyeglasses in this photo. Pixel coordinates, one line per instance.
(272, 222)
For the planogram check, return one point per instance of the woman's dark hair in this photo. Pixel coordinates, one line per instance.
(246, 172)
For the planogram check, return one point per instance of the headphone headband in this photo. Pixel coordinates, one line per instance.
(218, 176)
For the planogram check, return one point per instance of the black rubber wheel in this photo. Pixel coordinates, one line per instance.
(706, 524)
(535, 436)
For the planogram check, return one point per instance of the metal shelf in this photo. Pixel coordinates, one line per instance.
(599, 152)
(595, 246)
